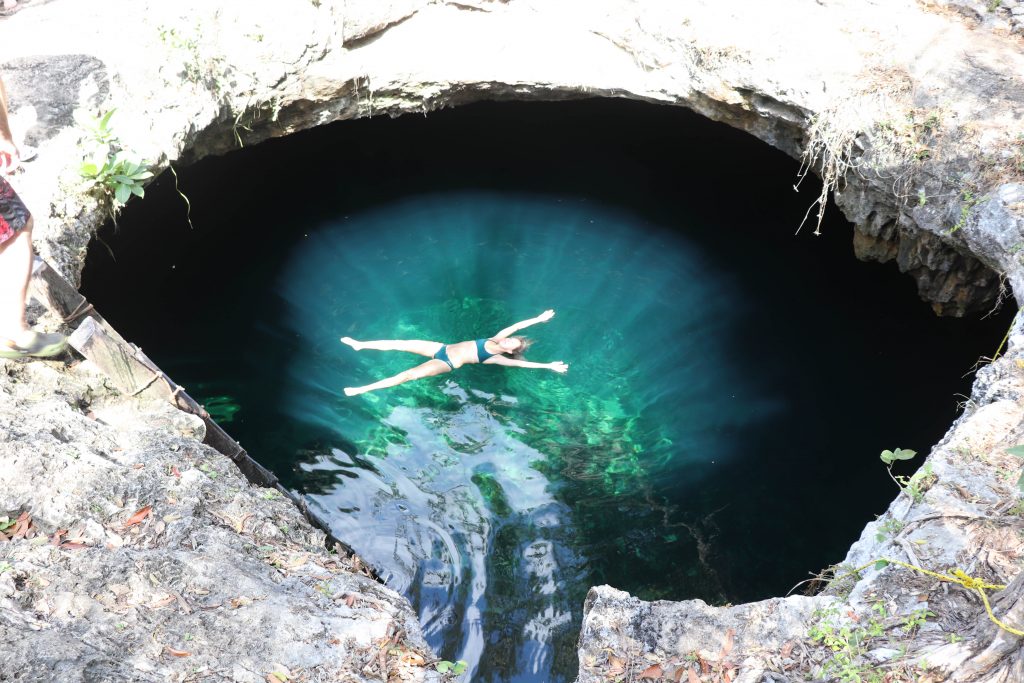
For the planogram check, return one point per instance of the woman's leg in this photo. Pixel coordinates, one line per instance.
(423, 348)
(428, 369)
(15, 270)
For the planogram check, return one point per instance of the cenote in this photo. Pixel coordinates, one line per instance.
(731, 384)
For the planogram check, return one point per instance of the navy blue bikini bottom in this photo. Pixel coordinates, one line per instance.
(442, 354)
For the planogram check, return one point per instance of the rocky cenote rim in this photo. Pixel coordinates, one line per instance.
(271, 84)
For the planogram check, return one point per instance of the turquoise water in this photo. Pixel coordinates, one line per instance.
(483, 492)
(730, 386)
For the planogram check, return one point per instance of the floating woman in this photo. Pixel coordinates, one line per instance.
(448, 357)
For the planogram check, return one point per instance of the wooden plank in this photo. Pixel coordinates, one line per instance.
(116, 359)
(134, 374)
(60, 296)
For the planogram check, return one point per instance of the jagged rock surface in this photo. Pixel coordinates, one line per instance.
(219, 581)
(623, 636)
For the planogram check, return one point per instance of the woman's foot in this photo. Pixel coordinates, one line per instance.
(358, 346)
(350, 391)
(32, 344)
(9, 7)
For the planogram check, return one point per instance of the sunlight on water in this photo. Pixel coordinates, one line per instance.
(432, 510)
(487, 493)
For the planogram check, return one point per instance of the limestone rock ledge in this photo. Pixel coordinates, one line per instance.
(220, 580)
(625, 637)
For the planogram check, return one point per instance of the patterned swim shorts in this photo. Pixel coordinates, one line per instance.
(13, 214)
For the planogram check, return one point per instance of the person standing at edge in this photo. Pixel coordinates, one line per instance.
(16, 339)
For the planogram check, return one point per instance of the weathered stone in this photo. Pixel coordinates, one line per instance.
(362, 19)
(617, 626)
(228, 573)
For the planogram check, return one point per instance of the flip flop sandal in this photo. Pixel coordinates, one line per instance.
(33, 345)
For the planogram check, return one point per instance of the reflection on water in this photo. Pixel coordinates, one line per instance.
(467, 528)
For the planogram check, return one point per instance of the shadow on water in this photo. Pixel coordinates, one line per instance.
(730, 387)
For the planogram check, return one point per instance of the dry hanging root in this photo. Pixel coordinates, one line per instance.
(828, 146)
(881, 95)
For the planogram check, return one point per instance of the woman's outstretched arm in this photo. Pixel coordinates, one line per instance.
(512, 329)
(557, 366)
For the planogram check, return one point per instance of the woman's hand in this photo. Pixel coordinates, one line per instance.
(559, 367)
(546, 316)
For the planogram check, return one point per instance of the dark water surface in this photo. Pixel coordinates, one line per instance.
(731, 385)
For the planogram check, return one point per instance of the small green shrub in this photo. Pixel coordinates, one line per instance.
(969, 202)
(108, 168)
(915, 485)
(920, 482)
(916, 619)
(848, 645)
(848, 641)
(889, 457)
(889, 527)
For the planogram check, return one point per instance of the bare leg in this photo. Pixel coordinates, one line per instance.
(428, 369)
(423, 348)
(15, 270)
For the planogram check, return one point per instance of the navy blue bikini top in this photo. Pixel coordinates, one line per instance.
(481, 352)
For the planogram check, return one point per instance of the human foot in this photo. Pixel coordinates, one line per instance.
(358, 346)
(9, 7)
(32, 344)
(349, 391)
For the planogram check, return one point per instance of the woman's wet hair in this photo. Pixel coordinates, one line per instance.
(524, 344)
